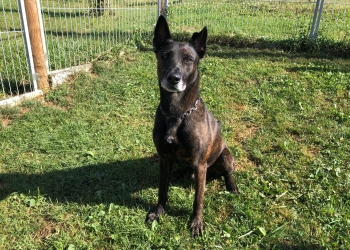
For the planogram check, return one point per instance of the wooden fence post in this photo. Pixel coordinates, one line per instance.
(39, 59)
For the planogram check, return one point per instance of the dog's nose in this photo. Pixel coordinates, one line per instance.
(174, 78)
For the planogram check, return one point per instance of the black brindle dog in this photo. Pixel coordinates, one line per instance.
(185, 132)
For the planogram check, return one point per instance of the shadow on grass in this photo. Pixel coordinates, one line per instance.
(101, 183)
(119, 182)
(232, 52)
(297, 246)
(320, 47)
(320, 66)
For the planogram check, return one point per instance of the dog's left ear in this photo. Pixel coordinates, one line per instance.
(199, 41)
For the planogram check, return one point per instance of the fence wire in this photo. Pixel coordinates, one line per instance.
(78, 31)
(335, 22)
(15, 77)
(269, 19)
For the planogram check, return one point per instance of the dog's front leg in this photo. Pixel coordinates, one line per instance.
(165, 171)
(197, 224)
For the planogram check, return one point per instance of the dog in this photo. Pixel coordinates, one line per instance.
(185, 132)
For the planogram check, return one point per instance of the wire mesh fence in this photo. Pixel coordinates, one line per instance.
(269, 19)
(336, 20)
(247, 18)
(15, 77)
(77, 31)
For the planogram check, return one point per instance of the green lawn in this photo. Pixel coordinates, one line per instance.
(78, 169)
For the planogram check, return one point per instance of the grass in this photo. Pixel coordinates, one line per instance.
(78, 169)
(75, 36)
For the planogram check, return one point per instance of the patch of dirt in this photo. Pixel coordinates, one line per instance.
(5, 122)
(23, 111)
(244, 164)
(93, 75)
(47, 229)
(310, 152)
(246, 133)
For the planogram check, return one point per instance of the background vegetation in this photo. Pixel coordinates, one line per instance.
(78, 169)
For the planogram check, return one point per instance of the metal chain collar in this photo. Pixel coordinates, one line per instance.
(184, 115)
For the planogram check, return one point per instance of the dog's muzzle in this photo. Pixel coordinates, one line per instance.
(173, 82)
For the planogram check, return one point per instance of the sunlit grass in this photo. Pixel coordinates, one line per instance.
(79, 169)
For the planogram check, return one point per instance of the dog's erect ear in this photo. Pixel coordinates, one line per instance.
(161, 33)
(199, 41)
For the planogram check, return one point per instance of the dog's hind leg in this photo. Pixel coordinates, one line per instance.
(165, 171)
(224, 166)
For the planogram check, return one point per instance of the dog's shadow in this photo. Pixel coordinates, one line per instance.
(120, 182)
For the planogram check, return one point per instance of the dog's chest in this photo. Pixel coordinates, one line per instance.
(180, 139)
(172, 128)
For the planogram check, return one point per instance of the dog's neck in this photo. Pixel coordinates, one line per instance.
(176, 107)
(177, 103)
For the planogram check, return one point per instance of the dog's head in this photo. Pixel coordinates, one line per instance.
(177, 62)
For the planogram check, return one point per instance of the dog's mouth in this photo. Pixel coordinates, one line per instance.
(178, 87)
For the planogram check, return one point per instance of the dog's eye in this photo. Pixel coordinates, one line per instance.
(165, 55)
(188, 60)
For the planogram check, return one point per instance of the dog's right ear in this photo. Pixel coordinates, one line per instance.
(161, 33)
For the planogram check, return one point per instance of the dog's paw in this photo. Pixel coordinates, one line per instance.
(197, 227)
(231, 186)
(154, 214)
(234, 189)
(151, 217)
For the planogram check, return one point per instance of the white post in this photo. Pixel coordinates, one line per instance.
(162, 7)
(316, 20)
(27, 43)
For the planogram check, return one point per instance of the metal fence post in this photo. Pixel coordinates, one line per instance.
(43, 39)
(162, 7)
(317, 18)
